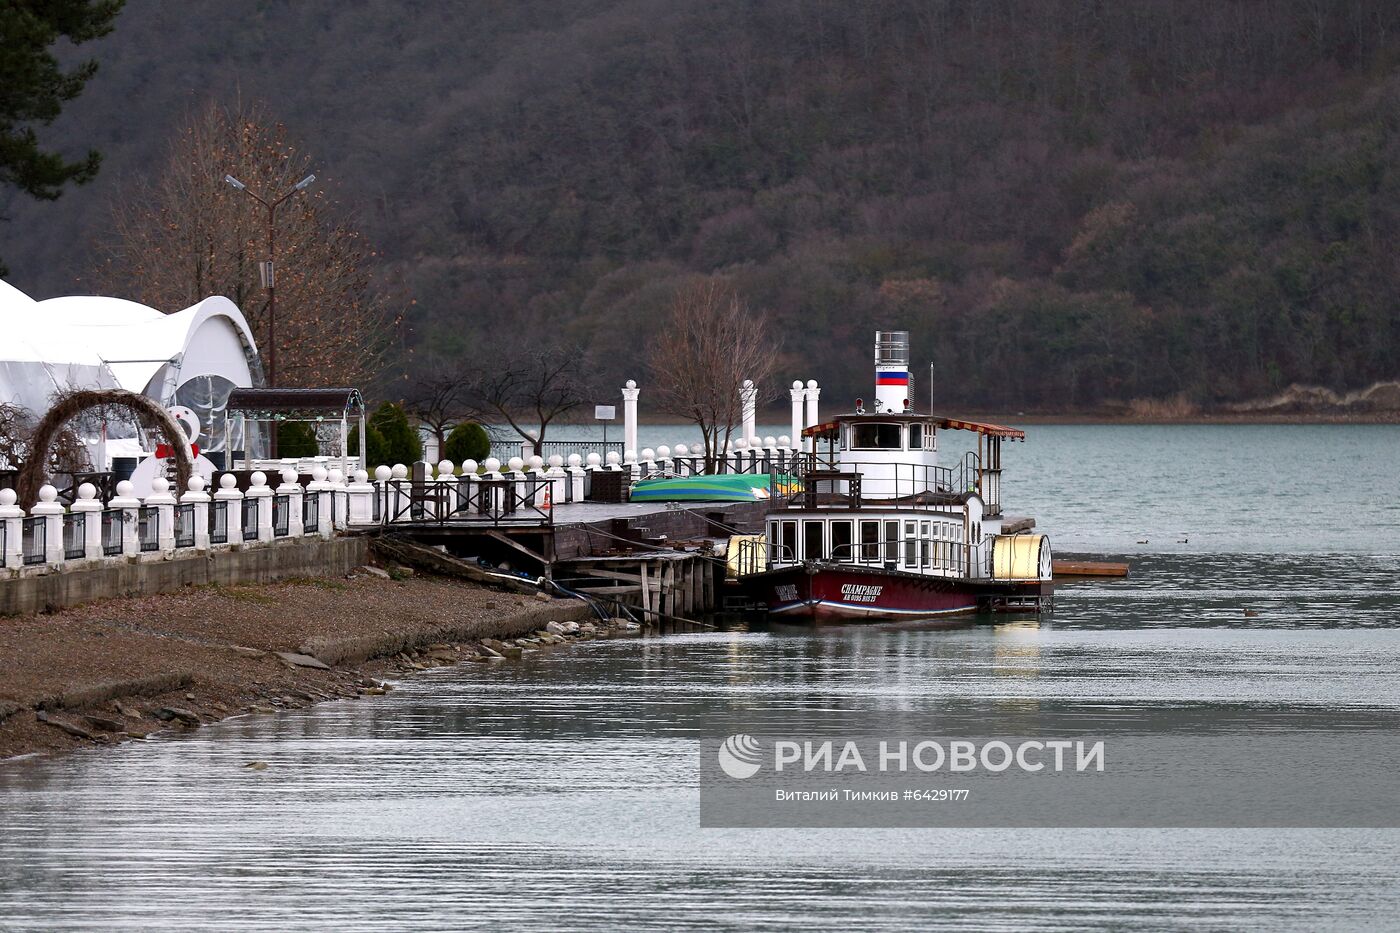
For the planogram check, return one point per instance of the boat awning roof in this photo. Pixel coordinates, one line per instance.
(981, 427)
(830, 429)
(294, 404)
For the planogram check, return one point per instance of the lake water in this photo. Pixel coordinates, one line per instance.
(562, 792)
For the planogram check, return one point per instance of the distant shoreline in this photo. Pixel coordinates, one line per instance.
(1199, 418)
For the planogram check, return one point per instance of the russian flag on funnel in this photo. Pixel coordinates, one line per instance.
(892, 379)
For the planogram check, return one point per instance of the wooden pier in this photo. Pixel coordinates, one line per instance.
(665, 560)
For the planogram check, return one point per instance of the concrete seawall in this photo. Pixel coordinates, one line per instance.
(282, 560)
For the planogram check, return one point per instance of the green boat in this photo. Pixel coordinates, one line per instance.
(724, 488)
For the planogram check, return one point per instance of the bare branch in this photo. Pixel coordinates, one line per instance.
(517, 381)
(710, 344)
(187, 235)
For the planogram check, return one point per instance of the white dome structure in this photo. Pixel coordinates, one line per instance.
(192, 358)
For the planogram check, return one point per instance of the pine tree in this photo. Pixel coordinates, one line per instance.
(33, 89)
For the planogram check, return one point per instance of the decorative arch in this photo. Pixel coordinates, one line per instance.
(149, 413)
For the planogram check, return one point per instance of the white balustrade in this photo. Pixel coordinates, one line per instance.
(231, 496)
(90, 507)
(12, 516)
(293, 491)
(259, 491)
(51, 511)
(199, 502)
(131, 514)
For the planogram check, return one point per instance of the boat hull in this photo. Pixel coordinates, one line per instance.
(835, 595)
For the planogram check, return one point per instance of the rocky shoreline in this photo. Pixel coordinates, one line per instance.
(127, 669)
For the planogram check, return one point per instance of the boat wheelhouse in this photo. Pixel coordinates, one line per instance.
(880, 530)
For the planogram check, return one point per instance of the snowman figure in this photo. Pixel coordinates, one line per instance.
(162, 463)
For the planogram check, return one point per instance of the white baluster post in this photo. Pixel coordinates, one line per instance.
(262, 493)
(90, 507)
(577, 477)
(359, 509)
(52, 511)
(131, 514)
(13, 518)
(197, 497)
(164, 502)
(293, 491)
(229, 494)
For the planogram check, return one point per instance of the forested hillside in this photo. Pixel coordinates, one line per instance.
(1069, 203)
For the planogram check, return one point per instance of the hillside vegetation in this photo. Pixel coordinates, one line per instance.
(1071, 204)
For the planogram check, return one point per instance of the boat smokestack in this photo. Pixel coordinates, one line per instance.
(891, 369)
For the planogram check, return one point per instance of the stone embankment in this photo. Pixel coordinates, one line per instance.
(128, 668)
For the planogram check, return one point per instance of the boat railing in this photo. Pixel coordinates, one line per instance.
(756, 555)
(852, 484)
(917, 553)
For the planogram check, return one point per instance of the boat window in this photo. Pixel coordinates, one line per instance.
(812, 540)
(841, 541)
(924, 544)
(788, 540)
(869, 540)
(892, 541)
(916, 436)
(911, 544)
(875, 437)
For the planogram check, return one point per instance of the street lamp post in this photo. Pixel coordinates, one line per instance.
(268, 269)
(268, 272)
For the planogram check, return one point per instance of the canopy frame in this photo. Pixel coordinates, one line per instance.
(273, 406)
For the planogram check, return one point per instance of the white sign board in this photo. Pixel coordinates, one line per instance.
(604, 412)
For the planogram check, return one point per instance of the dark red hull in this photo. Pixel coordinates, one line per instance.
(835, 594)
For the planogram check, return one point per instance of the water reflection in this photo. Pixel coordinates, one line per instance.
(561, 791)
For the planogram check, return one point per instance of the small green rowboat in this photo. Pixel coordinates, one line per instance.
(723, 488)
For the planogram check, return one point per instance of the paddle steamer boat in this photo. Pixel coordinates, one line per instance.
(880, 531)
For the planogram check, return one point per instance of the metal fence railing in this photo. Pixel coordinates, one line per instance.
(184, 525)
(467, 500)
(310, 512)
(35, 539)
(218, 522)
(74, 535)
(113, 524)
(250, 519)
(582, 448)
(281, 516)
(148, 528)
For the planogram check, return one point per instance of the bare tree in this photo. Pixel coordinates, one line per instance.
(438, 401)
(709, 345)
(523, 384)
(185, 234)
(66, 451)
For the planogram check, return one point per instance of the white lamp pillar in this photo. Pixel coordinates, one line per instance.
(798, 394)
(748, 397)
(629, 415)
(813, 394)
